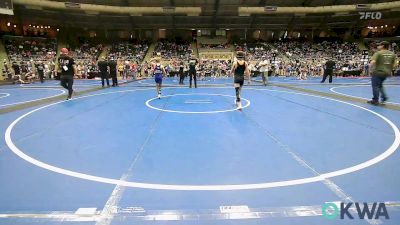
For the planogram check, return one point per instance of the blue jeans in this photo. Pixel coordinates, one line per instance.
(377, 87)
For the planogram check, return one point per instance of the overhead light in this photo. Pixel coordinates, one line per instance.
(15, 26)
(394, 27)
(41, 27)
(385, 25)
(376, 27)
(199, 31)
(58, 29)
(381, 26)
(8, 24)
(193, 29)
(30, 25)
(48, 26)
(227, 29)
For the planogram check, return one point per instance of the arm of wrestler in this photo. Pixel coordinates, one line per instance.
(233, 68)
(247, 73)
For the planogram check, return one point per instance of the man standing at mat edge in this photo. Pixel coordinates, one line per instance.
(67, 69)
(382, 64)
(112, 63)
(192, 71)
(328, 71)
(181, 72)
(103, 67)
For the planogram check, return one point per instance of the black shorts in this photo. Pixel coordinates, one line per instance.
(239, 80)
(329, 72)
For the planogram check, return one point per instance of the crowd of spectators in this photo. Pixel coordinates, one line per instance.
(255, 51)
(128, 51)
(304, 50)
(301, 58)
(174, 50)
(129, 57)
(287, 58)
(23, 49)
(27, 55)
(85, 56)
(215, 68)
(311, 56)
(214, 46)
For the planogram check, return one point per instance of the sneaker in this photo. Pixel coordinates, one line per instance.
(159, 96)
(239, 105)
(373, 102)
(384, 99)
(68, 98)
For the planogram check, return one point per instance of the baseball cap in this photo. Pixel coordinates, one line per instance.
(384, 43)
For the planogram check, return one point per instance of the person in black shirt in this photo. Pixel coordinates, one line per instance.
(192, 71)
(16, 68)
(329, 66)
(40, 71)
(181, 73)
(113, 72)
(24, 68)
(103, 67)
(67, 71)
